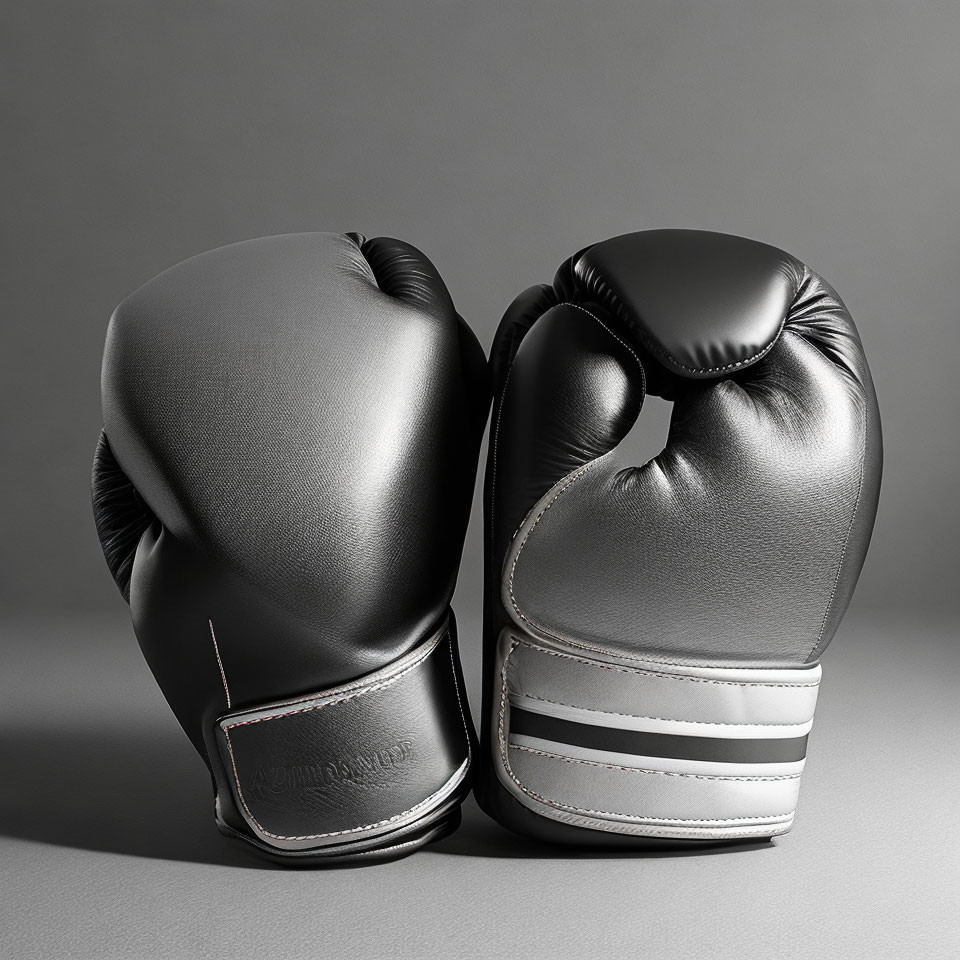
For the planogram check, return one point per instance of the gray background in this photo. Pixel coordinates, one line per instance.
(499, 139)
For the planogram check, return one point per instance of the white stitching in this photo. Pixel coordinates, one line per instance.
(666, 676)
(754, 834)
(337, 701)
(594, 648)
(223, 675)
(759, 355)
(644, 659)
(501, 736)
(623, 343)
(569, 482)
(647, 770)
(383, 851)
(772, 819)
(456, 687)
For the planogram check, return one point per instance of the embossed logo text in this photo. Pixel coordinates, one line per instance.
(360, 769)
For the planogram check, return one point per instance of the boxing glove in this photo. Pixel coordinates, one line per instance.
(653, 633)
(281, 489)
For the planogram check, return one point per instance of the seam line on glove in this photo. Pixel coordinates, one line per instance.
(389, 681)
(623, 343)
(223, 675)
(456, 688)
(665, 676)
(513, 567)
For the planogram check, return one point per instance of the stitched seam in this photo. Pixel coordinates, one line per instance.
(446, 789)
(634, 716)
(456, 688)
(380, 851)
(623, 343)
(705, 833)
(380, 685)
(772, 818)
(650, 770)
(645, 659)
(667, 676)
(501, 735)
(759, 355)
(223, 675)
(564, 485)
(353, 685)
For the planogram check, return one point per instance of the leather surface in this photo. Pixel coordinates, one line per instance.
(589, 392)
(702, 303)
(352, 763)
(294, 423)
(739, 544)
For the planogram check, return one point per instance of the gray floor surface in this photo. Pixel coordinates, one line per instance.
(108, 848)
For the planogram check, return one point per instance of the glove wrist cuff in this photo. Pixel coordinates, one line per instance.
(361, 767)
(615, 743)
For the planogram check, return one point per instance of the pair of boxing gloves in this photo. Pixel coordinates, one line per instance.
(282, 489)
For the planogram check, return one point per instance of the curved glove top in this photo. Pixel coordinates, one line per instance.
(652, 633)
(282, 488)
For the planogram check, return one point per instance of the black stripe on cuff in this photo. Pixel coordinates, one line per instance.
(641, 744)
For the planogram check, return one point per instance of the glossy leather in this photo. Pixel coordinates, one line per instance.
(741, 543)
(291, 426)
(731, 293)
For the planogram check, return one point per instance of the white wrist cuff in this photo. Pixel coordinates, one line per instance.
(624, 745)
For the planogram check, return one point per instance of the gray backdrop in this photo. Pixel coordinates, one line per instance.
(499, 139)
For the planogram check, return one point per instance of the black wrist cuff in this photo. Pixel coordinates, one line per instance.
(356, 767)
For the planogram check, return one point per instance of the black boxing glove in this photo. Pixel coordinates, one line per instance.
(281, 489)
(653, 633)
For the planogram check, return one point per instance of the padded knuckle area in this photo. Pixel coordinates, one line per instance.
(403, 272)
(289, 374)
(702, 303)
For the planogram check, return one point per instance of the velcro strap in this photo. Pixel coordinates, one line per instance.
(628, 746)
(353, 762)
